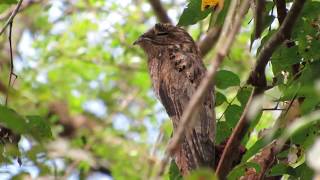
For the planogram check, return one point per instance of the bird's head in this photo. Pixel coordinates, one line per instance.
(163, 35)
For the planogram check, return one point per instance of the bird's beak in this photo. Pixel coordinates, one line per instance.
(141, 39)
(138, 41)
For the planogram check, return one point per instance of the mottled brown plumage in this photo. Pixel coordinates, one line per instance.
(176, 70)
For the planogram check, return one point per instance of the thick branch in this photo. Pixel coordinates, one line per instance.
(229, 32)
(281, 10)
(257, 78)
(160, 11)
(210, 39)
(259, 18)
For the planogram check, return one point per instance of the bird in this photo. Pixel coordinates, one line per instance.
(176, 69)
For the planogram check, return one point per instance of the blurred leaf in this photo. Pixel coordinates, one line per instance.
(225, 79)
(174, 173)
(39, 128)
(222, 15)
(304, 172)
(12, 120)
(192, 13)
(203, 174)
(8, 1)
(281, 169)
(307, 135)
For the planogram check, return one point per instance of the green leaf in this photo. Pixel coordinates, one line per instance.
(222, 15)
(304, 172)
(220, 98)
(307, 30)
(203, 174)
(8, 1)
(192, 13)
(243, 95)
(239, 170)
(284, 58)
(225, 79)
(233, 114)
(223, 131)
(281, 169)
(12, 120)
(174, 173)
(307, 135)
(39, 128)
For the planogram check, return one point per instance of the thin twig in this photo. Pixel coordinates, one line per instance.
(10, 20)
(11, 64)
(229, 32)
(258, 79)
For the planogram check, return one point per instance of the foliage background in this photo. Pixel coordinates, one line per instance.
(80, 76)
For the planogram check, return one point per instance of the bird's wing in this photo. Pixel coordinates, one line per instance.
(180, 81)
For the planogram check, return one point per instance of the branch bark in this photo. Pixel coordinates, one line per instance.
(160, 11)
(210, 39)
(257, 78)
(229, 32)
(281, 10)
(258, 17)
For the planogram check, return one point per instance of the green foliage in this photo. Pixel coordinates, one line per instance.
(13, 120)
(281, 169)
(203, 174)
(39, 128)
(174, 173)
(86, 55)
(31, 125)
(192, 13)
(9, 1)
(225, 79)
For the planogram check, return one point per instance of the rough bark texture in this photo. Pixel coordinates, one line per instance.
(176, 70)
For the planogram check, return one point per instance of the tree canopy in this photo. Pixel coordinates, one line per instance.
(76, 99)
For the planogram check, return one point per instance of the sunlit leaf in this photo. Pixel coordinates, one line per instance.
(225, 79)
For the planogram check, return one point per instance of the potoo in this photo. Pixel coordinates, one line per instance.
(176, 70)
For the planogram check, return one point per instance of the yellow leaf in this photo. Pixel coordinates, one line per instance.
(206, 4)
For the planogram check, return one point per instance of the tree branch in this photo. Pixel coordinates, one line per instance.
(24, 5)
(160, 11)
(209, 40)
(258, 17)
(257, 78)
(13, 14)
(229, 32)
(281, 10)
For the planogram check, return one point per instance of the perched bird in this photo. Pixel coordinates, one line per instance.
(176, 70)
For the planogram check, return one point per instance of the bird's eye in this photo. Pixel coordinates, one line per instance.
(162, 33)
